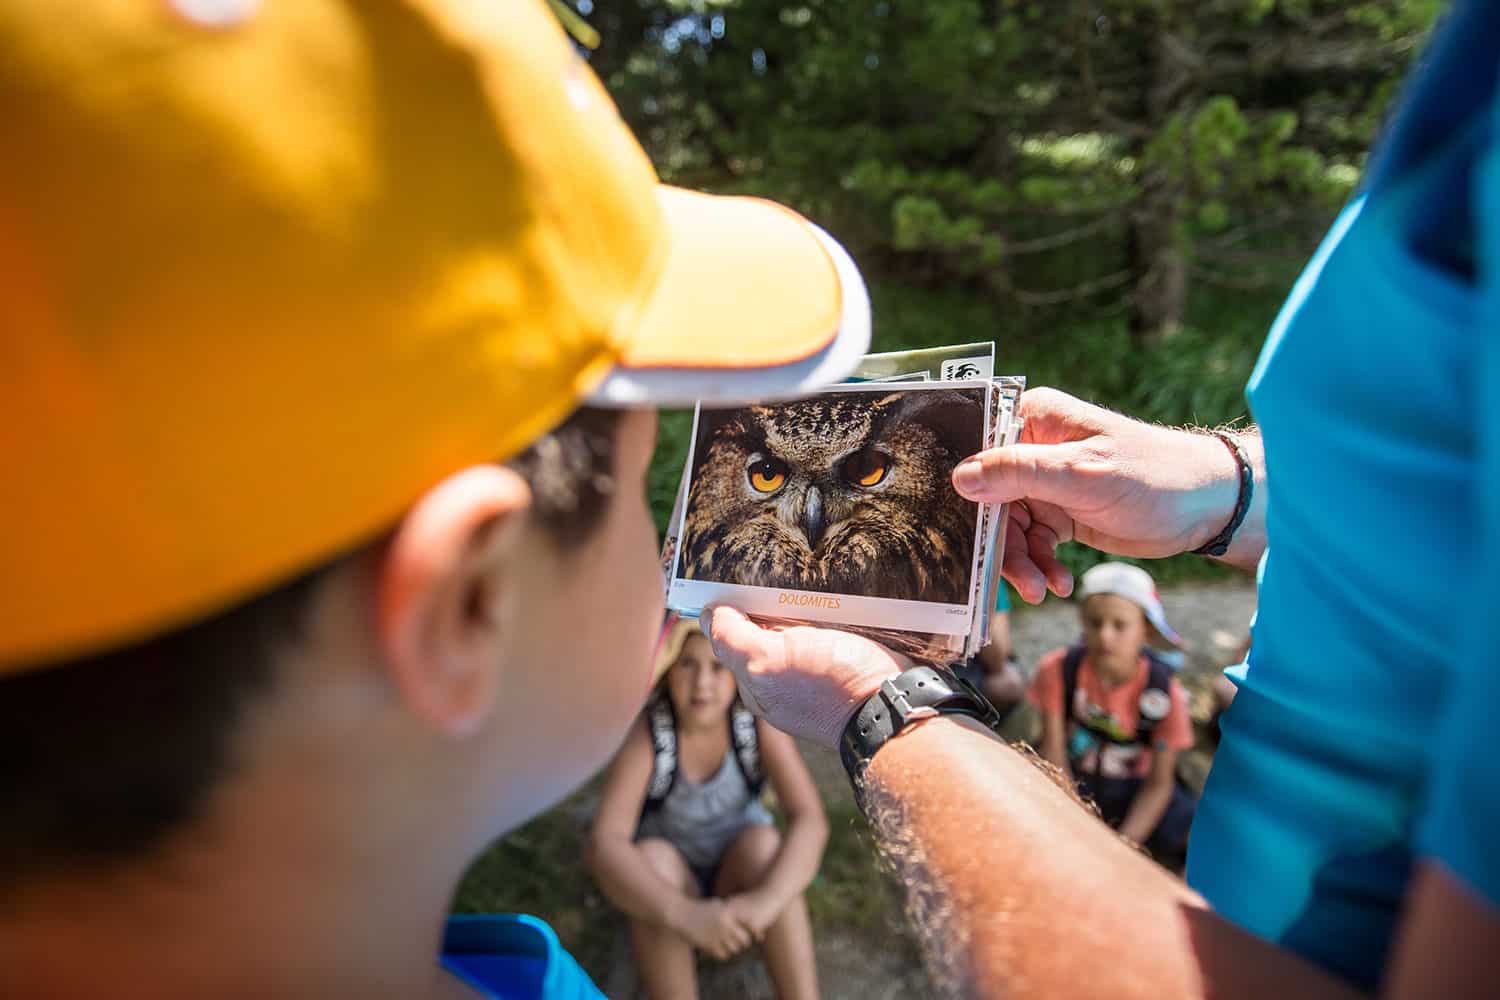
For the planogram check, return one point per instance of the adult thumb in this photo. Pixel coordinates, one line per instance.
(1046, 472)
(732, 634)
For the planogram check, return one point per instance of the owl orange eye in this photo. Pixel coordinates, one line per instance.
(867, 467)
(767, 475)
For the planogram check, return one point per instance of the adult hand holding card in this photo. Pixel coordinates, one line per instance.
(839, 508)
(805, 681)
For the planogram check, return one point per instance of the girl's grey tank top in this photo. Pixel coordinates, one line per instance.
(702, 819)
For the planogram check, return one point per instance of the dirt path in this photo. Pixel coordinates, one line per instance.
(1213, 618)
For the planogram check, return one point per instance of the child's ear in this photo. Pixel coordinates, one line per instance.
(443, 580)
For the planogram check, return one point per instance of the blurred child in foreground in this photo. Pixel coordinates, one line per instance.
(333, 337)
(683, 844)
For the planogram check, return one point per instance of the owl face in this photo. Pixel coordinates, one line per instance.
(845, 492)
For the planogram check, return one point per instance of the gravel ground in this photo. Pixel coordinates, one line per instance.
(1214, 620)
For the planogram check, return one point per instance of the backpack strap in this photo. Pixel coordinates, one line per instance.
(1071, 662)
(663, 724)
(746, 739)
(1156, 698)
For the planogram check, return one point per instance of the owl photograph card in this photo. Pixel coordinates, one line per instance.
(837, 508)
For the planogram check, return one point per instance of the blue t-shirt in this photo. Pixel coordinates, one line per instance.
(513, 956)
(1358, 743)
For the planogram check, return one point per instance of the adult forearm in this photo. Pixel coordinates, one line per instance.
(1000, 863)
(952, 806)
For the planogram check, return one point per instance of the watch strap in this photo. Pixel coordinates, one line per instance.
(918, 693)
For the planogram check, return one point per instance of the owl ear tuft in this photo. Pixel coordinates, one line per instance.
(955, 416)
(745, 424)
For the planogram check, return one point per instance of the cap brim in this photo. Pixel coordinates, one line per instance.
(1158, 623)
(752, 302)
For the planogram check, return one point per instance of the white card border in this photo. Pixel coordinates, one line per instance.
(689, 597)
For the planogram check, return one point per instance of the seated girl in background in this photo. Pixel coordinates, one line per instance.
(683, 844)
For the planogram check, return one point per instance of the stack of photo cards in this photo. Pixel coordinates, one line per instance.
(839, 509)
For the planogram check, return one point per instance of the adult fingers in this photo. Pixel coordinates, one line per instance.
(1033, 531)
(1041, 545)
(1053, 416)
(1046, 472)
(1050, 527)
(1017, 566)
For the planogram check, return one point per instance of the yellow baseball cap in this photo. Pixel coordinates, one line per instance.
(271, 268)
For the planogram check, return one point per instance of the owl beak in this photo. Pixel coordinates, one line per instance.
(812, 516)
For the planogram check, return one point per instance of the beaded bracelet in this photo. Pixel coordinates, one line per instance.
(1219, 544)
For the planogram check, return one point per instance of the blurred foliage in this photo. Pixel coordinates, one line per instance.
(1058, 157)
(848, 891)
(1117, 193)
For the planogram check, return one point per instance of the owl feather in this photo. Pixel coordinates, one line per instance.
(842, 493)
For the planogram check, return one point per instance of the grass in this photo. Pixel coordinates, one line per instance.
(851, 892)
(538, 869)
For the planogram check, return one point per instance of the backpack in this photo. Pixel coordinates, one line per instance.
(1155, 703)
(743, 737)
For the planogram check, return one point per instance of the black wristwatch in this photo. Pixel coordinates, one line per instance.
(918, 693)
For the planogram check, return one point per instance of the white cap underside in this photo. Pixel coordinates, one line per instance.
(737, 386)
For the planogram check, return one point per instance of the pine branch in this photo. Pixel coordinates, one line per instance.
(1077, 292)
(1247, 282)
(1064, 238)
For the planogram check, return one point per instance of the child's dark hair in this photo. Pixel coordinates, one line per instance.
(104, 756)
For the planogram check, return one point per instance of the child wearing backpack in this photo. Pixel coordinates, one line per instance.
(1113, 715)
(682, 843)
